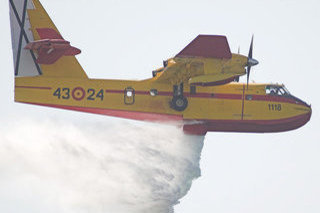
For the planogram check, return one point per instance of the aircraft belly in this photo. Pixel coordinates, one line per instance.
(253, 126)
(260, 126)
(213, 108)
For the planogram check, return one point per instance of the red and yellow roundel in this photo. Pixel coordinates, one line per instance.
(78, 93)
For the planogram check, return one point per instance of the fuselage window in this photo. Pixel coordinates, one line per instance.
(153, 92)
(129, 94)
(249, 97)
(192, 90)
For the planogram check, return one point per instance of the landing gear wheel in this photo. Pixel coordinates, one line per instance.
(179, 103)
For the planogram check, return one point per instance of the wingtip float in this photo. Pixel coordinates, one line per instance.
(198, 87)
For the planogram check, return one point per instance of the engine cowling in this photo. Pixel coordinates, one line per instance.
(212, 80)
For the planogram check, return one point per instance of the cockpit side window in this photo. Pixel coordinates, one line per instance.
(269, 90)
(276, 90)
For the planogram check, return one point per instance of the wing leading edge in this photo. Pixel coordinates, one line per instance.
(207, 46)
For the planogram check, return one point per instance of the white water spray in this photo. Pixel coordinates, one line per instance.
(63, 167)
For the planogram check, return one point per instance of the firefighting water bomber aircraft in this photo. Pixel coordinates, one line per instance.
(198, 88)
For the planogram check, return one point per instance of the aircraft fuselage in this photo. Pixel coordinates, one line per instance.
(231, 107)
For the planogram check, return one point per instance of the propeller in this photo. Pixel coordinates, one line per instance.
(251, 62)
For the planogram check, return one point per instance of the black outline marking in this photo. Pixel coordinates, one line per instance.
(25, 37)
(20, 37)
(243, 92)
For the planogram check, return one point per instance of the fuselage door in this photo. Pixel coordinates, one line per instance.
(129, 96)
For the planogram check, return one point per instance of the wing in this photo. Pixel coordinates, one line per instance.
(207, 60)
(207, 46)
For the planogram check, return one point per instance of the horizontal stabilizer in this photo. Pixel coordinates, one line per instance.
(72, 51)
(47, 57)
(207, 46)
(50, 50)
(48, 33)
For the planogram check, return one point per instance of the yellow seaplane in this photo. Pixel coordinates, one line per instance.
(198, 88)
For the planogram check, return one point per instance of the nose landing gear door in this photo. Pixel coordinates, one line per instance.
(129, 96)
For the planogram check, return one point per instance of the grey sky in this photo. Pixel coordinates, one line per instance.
(128, 39)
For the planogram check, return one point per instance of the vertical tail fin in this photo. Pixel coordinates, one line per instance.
(29, 24)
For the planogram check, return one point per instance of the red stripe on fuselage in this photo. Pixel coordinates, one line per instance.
(203, 125)
(29, 87)
(242, 102)
(270, 98)
(251, 126)
(138, 115)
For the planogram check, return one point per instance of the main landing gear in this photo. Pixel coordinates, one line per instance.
(178, 102)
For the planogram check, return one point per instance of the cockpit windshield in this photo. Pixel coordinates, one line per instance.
(277, 90)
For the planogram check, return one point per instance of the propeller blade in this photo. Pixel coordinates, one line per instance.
(251, 47)
(248, 75)
(251, 61)
(239, 50)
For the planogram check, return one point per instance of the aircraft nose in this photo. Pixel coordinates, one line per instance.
(308, 114)
(304, 112)
(307, 109)
(310, 109)
(300, 102)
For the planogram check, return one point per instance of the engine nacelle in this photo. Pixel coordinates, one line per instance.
(212, 80)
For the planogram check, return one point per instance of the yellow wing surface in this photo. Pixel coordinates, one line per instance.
(207, 60)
